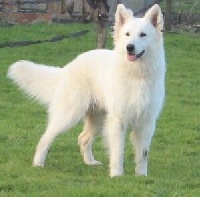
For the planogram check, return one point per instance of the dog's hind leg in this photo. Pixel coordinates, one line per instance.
(93, 125)
(61, 118)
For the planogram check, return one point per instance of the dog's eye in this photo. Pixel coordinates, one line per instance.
(127, 34)
(142, 34)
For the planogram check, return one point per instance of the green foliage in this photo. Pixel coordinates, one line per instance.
(174, 161)
(184, 6)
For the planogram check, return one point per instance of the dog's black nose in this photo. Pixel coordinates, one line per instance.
(130, 47)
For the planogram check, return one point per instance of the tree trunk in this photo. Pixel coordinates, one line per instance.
(101, 43)
(102, 20)
(168, 15)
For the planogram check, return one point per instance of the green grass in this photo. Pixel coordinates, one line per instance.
(174, 161)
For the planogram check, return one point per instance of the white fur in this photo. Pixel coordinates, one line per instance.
(106, 89)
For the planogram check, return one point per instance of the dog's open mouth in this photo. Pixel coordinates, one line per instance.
(132, 56)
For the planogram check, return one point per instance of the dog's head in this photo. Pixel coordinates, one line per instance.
(136, 36)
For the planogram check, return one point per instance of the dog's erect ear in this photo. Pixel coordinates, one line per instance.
(122, 15)
(154, 14)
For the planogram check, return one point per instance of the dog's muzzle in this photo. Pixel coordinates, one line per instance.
(140, 54)
(131, 55)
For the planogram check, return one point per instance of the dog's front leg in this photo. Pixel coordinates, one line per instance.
(142, 140)
(116, 139)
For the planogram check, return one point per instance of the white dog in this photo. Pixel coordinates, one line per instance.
(110, 89)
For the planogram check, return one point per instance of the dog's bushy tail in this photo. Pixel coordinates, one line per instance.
(38, 81)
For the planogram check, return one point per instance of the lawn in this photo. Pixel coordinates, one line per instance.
(174, 160)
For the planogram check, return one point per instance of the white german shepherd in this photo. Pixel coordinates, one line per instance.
(110, 89)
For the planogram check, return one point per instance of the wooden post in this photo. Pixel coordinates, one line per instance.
(101, 41)
(102, 20)
(168, 15)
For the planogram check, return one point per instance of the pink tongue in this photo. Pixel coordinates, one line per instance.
(131, 57)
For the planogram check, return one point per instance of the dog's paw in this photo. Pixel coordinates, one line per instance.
(37, 164)
(140, 174)
(94, 163)
(141, 171)
(116, 173)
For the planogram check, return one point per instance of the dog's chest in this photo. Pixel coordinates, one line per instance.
(140, 100)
